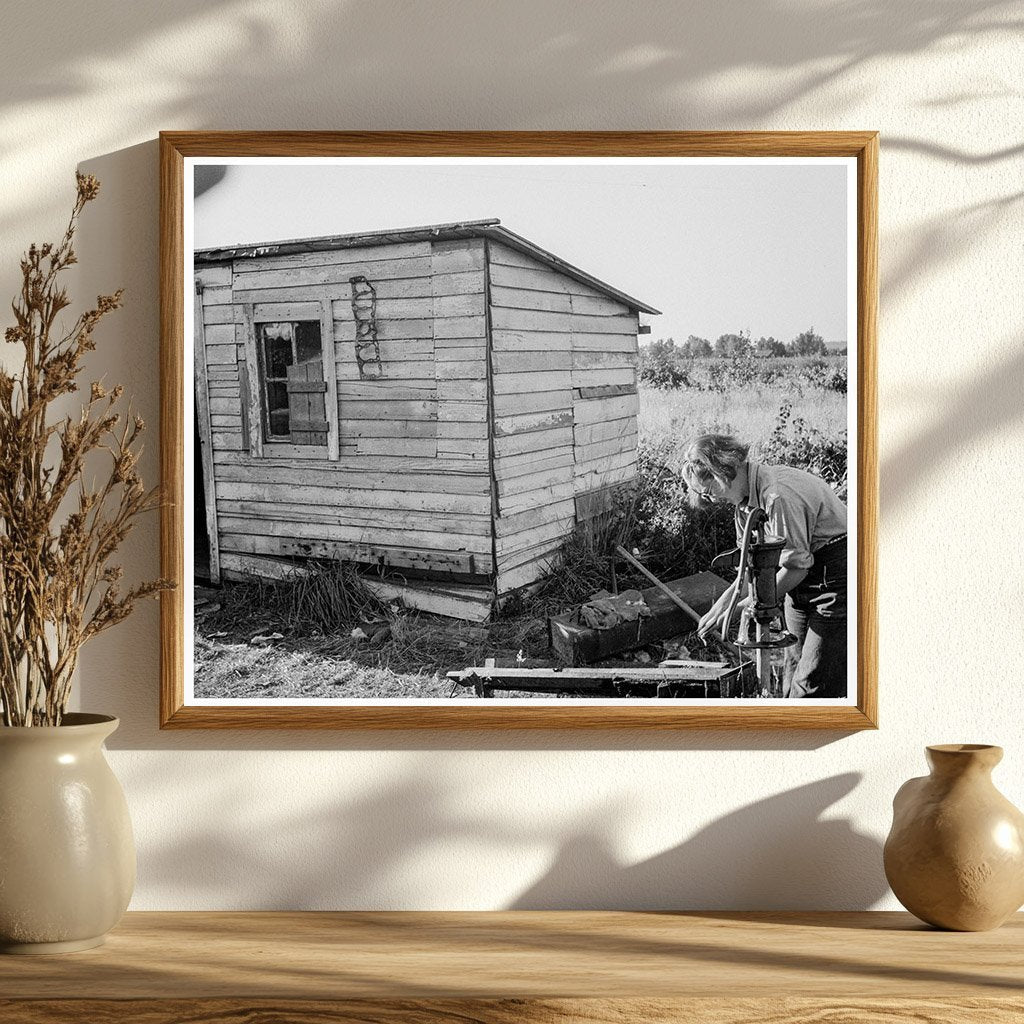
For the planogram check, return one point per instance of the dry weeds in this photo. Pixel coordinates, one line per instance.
(58, 534)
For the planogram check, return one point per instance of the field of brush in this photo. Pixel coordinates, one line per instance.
(668, 417)
(328, 637)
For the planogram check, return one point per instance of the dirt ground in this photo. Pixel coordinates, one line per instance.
(246, 652)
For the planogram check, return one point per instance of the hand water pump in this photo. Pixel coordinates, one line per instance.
(762, 627)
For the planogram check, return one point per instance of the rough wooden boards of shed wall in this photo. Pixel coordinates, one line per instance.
(553, 336)
(411, 486)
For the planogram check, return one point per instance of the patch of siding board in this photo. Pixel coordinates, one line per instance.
(251, 278)
(459, 329)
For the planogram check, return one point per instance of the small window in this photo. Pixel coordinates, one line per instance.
(293, 389)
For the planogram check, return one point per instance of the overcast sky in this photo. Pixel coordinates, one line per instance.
(717, 248)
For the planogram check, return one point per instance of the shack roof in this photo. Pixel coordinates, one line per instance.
(430, 232)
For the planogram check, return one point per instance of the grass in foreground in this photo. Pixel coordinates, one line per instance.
(245, 648)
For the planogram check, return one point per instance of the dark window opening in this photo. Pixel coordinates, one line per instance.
(293, 390)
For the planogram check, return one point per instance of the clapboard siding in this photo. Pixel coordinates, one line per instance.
(444, 469)
(538, 401)
(425, 418)
(462, 448)
(622, 445)
(421, 286)
(605, 441)
(376, 498)
(460, 332)
(518, 576)
(214, 275)
(560, 302)
(583, 341)
(453, 411)
(253, 277)
(520, 465)
(590, 433)
(405, 520)
(221, 355)
(537, 553)
(343, 474)
(510, 525)
(532, 401)
(390, 252)
(601, 476)
(386, 536)
(587, 360)
(553, 530)
(603, 377)
(535, 497)
(426, 308)
(535, 441)
(552, 335)
(548, 474)
(541, 320)
(441, 559)
(506, 426)
(600, 410)
(511, 269)
(531, 362)
(462, 390)
(528, 382)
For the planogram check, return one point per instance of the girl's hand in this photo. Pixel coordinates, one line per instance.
(712, 618)
(708, 622)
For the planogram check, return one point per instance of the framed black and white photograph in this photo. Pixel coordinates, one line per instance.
(539, 430)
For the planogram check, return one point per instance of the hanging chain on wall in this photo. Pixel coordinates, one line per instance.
(364, 308)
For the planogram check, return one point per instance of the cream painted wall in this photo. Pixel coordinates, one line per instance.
(295, 820)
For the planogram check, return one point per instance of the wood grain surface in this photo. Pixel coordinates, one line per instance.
(176, 146)
(554, 143)
(724, 1010)
(524, 966)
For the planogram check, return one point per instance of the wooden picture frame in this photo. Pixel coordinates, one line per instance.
(860, 712)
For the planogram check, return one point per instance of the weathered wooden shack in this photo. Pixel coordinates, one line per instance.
(442, 403)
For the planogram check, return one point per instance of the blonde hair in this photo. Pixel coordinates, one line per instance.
(712, 457)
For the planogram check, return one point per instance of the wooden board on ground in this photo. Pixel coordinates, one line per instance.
(575, 643)
(472, 604)
(683, 679)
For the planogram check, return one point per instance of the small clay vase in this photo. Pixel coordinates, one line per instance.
(955, 854)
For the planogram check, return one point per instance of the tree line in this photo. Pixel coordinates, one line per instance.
(732, 346)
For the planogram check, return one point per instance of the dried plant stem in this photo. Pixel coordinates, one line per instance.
(58, 588)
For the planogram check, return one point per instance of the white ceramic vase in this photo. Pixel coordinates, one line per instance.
(67, 855)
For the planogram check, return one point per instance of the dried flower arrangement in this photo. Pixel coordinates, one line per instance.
(57, 586)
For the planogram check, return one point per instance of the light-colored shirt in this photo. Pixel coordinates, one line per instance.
(801, 508)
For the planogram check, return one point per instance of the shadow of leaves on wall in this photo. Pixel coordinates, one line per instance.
(959, 421)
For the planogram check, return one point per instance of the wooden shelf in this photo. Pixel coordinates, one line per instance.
(521, 966)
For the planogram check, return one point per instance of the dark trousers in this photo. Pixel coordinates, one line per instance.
(816, 614)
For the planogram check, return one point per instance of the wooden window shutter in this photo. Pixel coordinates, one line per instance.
(307, 411)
